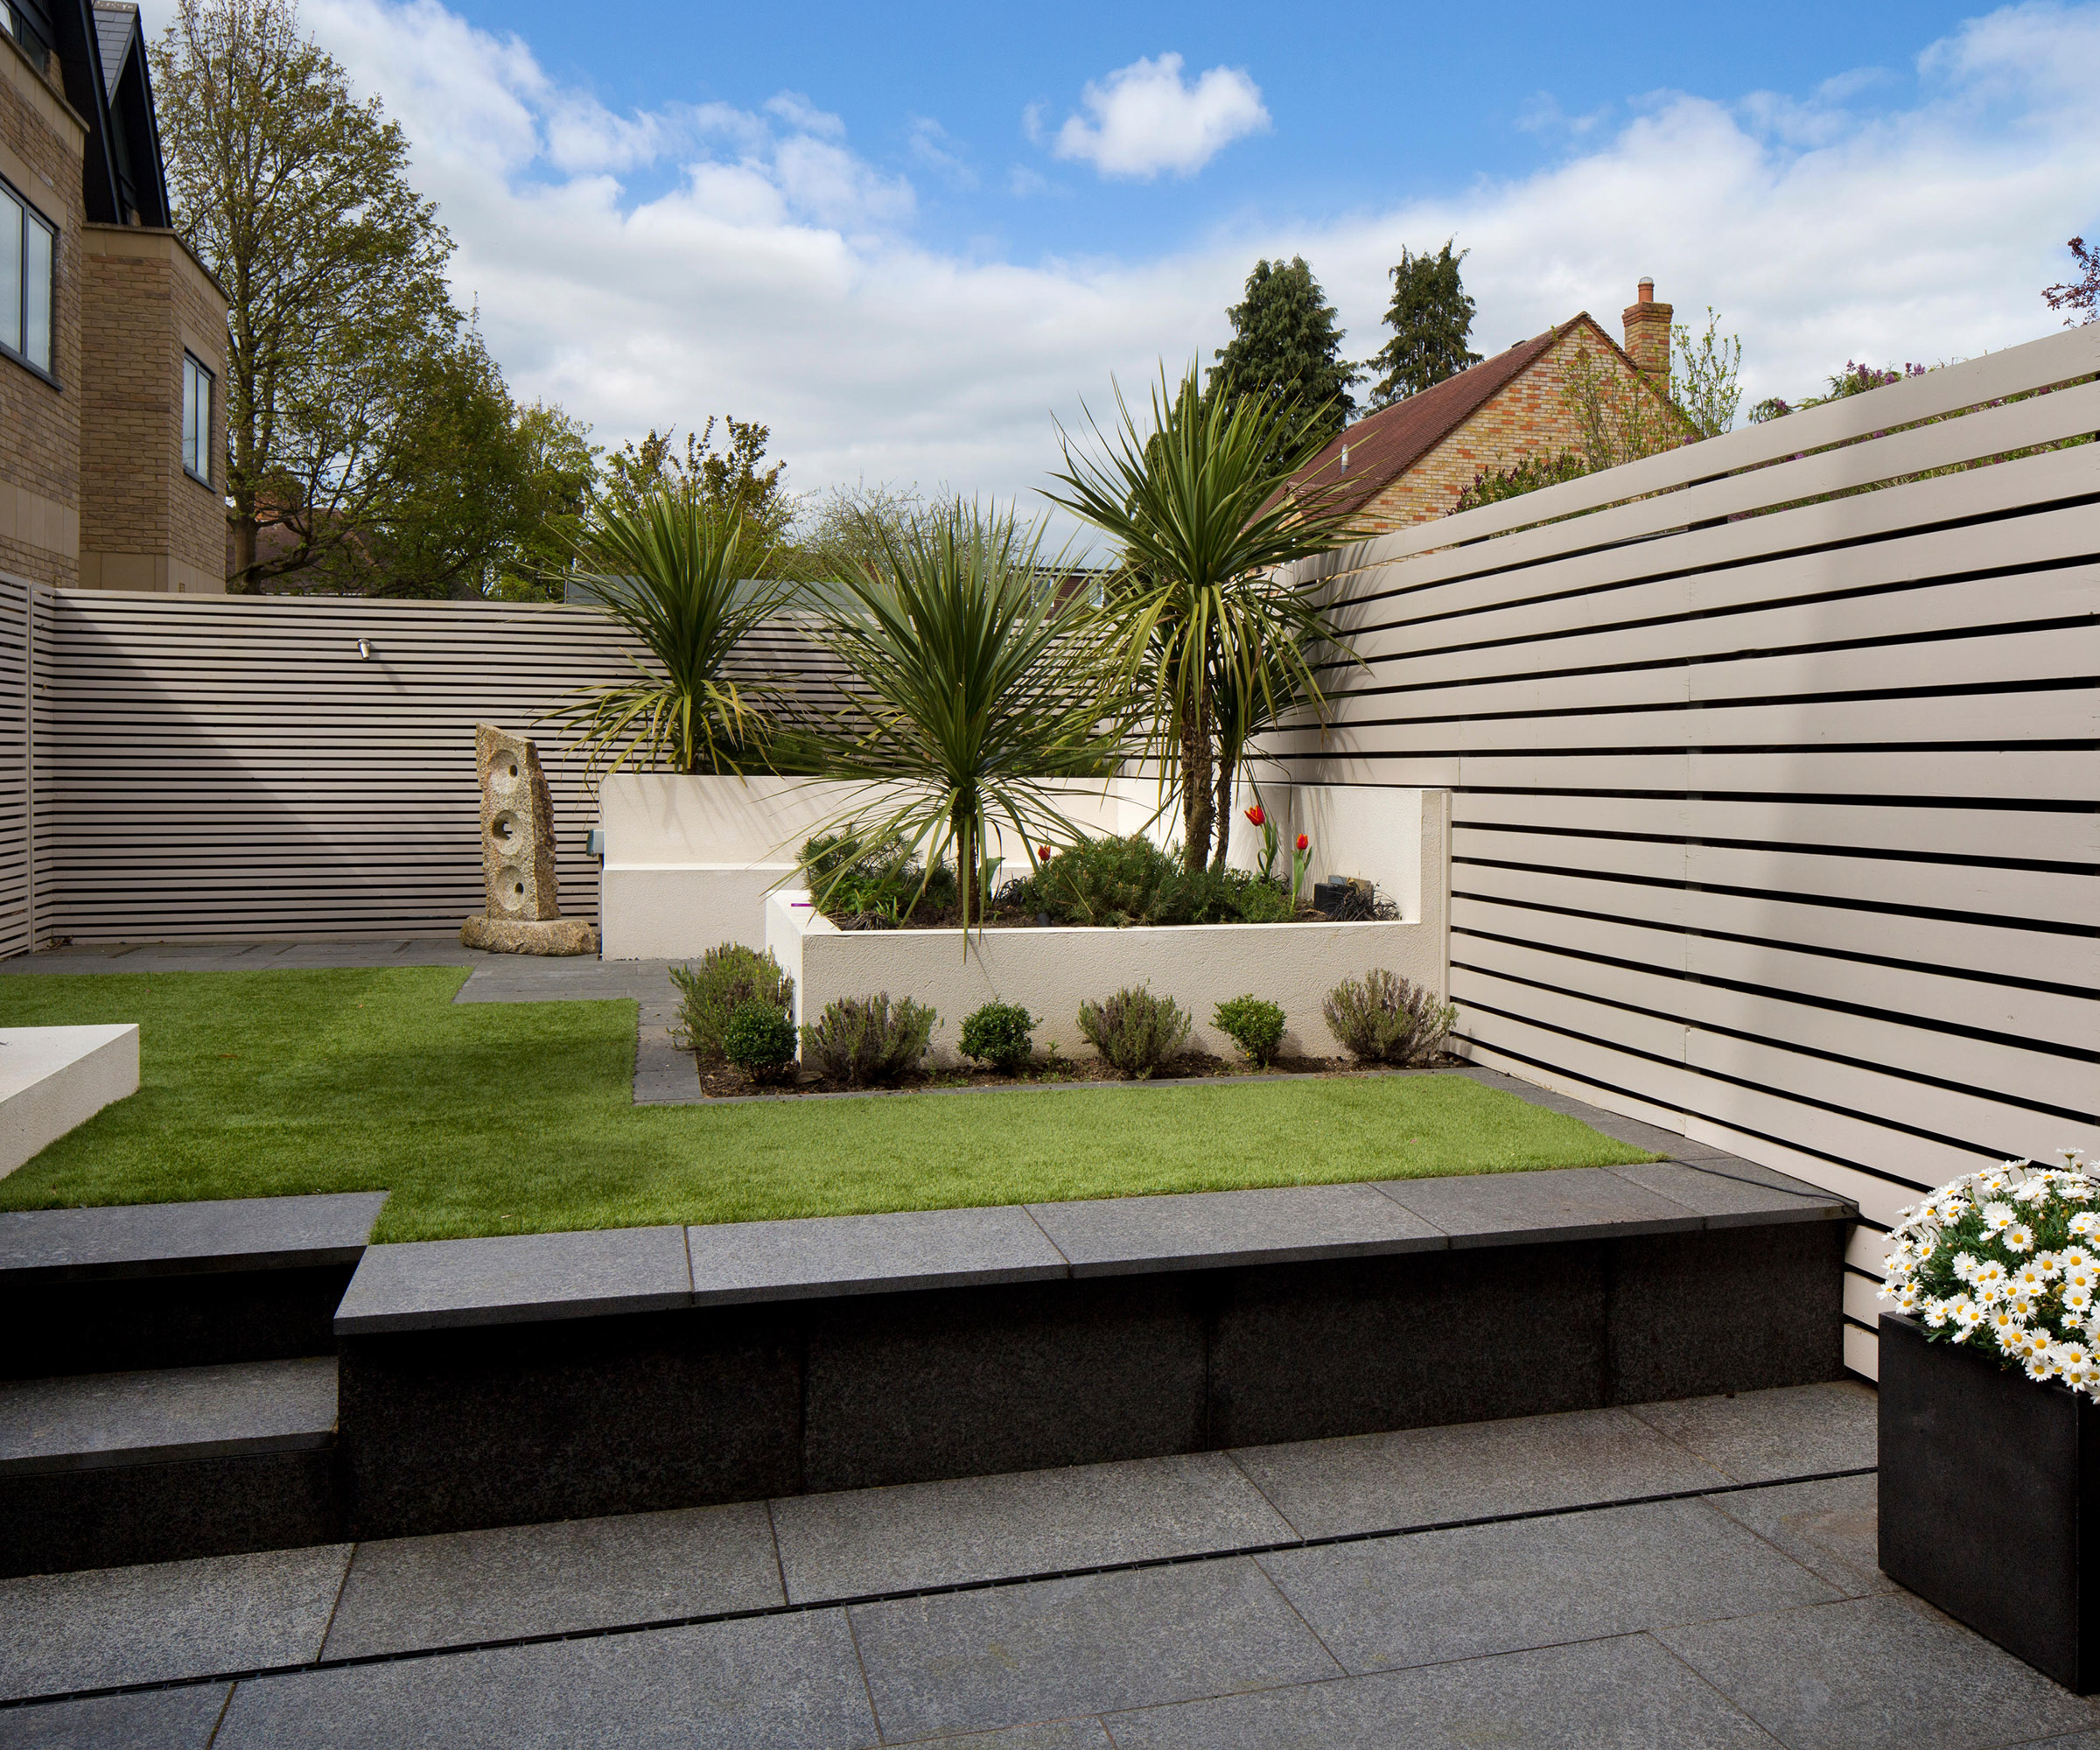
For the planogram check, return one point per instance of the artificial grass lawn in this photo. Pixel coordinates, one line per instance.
(518, 1117)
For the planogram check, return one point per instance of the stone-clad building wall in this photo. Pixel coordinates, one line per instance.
(41, 140)
(1528, 415)
(146, 523)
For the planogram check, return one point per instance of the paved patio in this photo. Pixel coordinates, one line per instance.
(1684, 1574)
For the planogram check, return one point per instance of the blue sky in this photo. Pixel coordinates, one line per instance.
(1428, 100)
(908, 241)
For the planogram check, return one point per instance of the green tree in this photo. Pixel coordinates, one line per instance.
(295, 196)
(732, 480)
(1432, 319)
(559, 465)
(1218, 641)
(1285, 351)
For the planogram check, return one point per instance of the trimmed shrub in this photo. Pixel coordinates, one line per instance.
(1121, 881)
(998, 1034)
(726, 978)
(860, 1040)
(1135, 1031)
(1256, 1027)
(1382, 1017)
(760, 1038)
(862, 883)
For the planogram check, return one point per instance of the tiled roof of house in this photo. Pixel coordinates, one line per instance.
(1386, 444)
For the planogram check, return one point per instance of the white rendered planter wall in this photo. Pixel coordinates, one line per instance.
(690, 860)
(1050, 972)
(53, 1079)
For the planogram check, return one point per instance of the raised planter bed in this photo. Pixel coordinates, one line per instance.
(1053, 970)
(1989, 1500)
(487, 1381)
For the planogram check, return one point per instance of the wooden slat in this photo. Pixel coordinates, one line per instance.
(1778, 821)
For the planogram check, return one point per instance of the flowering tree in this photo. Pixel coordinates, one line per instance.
(2078, 294)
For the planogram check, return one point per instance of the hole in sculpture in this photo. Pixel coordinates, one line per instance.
(503, 829)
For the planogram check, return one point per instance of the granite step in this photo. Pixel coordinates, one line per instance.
(176, 1284)
(102, 1470)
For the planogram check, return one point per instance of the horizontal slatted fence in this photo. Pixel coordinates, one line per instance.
(1777, 811)
(230, 767)
(16, 892)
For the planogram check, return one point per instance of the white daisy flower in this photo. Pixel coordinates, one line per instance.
(2085, 1223)
(2043, 1365)
(2077, 1301)
(2047, 1262)
(2075, 1257)
(2029, 1279)
(2020, 1237)
(1938, 1311)
(1998, 1217)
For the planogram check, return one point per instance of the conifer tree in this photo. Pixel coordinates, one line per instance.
(1286, 347)
(1432, 319)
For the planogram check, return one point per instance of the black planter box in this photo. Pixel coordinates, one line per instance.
(1989, 1500)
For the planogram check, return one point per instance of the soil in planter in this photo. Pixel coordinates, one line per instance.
(721, 1080)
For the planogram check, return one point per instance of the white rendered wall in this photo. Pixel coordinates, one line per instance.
(689, 860)
(52, 1079)
(1050, 972)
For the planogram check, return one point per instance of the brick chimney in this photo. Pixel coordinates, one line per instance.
(1648, 334)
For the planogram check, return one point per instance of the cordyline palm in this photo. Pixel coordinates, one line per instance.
(1200, 507)
(967, 687)
(671, 571)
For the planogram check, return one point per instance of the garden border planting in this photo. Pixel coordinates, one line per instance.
(1051, 971)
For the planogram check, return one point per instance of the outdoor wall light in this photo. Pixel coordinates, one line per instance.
(364, 649)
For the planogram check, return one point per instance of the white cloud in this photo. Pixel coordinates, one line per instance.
(804, 116)
(1147, 118)
(934, 146)
(769, 270)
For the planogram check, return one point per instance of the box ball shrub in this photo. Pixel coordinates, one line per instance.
(759, 1040)
(1382, 1017)
(727, 977)
(1134, 1031)
(865, 1041)
(1254, 1026)
(998, 1034)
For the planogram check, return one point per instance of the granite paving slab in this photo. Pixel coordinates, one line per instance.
(1790, 1433)
(88, 1422)
(110, 1626)
(563, 978)
(1885, 1673)
(775, 1683)
(521, 1279)
(1728, 1201)
(242, 956)
(517, 1581)
(1051, 1734)
(1829, 1527)
(1436, 1595)
(1556, 1203)
(1121, 1235)
(821, 1256)
(154, 1239)
(973, 1661)
(1622, 1694)
(860, 1542)
(154, 1719)
(1472, 1470)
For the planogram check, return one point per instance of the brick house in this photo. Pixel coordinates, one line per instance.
(1408, 462)
(112, 334)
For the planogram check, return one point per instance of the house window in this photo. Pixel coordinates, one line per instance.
(16, 23)
(27, 250)
(196, 419)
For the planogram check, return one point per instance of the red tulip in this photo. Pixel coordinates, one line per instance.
(1043, 851)
(1303, 841)
(1255, 816)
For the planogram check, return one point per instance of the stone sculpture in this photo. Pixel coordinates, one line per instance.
(523, 913)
